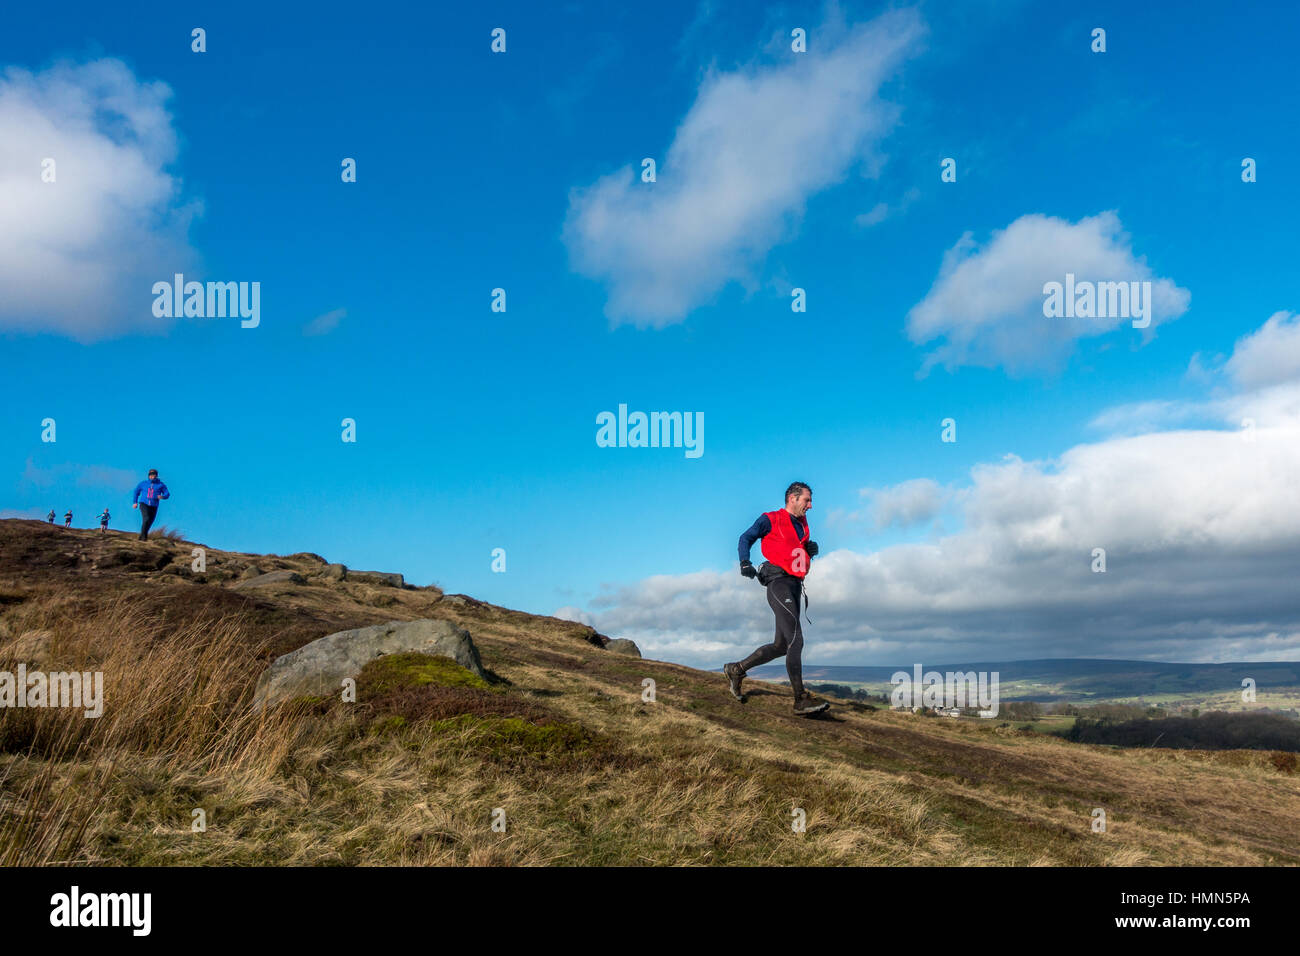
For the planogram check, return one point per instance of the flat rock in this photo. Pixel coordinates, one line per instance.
(273, 577)
(319, 667)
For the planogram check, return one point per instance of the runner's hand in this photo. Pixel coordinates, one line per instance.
(811, 548)
(747, 570)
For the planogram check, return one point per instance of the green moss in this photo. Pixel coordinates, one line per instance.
(397, 672)
(388, 725)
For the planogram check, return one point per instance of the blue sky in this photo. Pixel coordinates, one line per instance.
(817, 170)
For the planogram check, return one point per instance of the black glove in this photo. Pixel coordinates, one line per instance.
(811, 548)
(747, 570)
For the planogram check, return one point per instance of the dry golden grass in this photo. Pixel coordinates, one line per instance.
(585, 770)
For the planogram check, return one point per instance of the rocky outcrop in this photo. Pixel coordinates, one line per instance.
(311, 556)
(390, 578)
(621, 645)
(318, 668)
(273, 577)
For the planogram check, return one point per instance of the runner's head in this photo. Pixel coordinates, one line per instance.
(153, 472)
(798, 499)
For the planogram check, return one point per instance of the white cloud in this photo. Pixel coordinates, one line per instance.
(987, 304)
(877, 214)
(1261, 373)
(33, 513)
(882, 211)
(1138, 417)
(78, 256)
(1199, 526)
(1270, 354)
(754, 147)
(324, 324)
(905, 504)
(576, 614)
(85, 476)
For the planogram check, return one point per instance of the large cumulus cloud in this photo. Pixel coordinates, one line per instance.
(1199, 526)
(78, 255)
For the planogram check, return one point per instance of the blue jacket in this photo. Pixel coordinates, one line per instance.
(153, 491)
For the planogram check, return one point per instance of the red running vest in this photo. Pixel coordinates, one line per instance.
(783, 546)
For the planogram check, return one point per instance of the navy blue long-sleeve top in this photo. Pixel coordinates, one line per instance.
(761, 528)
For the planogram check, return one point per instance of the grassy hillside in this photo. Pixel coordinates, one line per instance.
(585, 771)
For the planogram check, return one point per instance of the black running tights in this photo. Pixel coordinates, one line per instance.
(783, 597)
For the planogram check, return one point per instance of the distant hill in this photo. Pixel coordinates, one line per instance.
(1079, 680)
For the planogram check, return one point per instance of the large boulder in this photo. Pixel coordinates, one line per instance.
(621, 645)
(319, 667)
(334, 572)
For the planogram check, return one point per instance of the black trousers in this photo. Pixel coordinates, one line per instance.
(147, 514)
(783, 597)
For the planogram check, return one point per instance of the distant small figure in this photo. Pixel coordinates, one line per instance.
(153, 491)
(103, 521)
(50, 517)
(67, 519)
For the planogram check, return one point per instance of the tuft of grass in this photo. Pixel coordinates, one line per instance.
(174, 696)
(504, 737)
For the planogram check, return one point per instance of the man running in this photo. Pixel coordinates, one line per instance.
(50, 517)
(154, 491)
(103, 520)
(787, 549)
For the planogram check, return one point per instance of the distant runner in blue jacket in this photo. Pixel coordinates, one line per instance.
(147, 495)
(103, 521)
